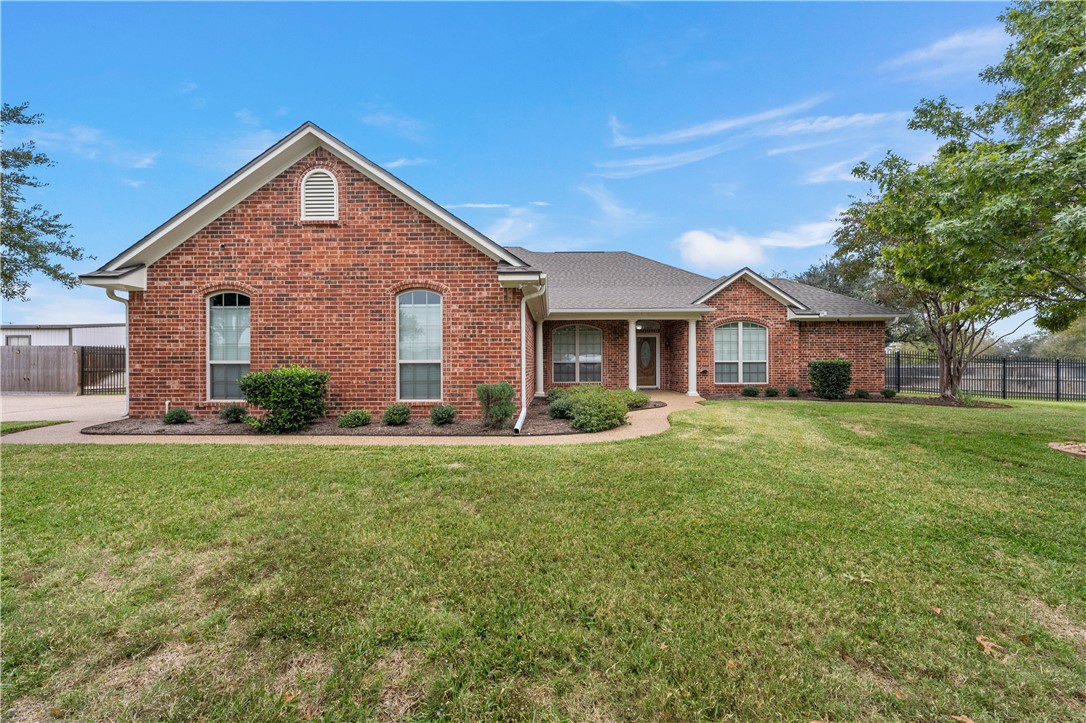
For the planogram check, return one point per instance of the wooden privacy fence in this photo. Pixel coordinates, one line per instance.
(63, 369)
(1004, 377)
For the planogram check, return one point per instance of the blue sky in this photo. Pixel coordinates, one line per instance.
(709, 136)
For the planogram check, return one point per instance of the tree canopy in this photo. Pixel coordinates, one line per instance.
(30, 236)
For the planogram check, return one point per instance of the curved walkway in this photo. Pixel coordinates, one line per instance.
(95, 410)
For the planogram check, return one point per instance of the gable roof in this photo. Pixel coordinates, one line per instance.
(259, 171)
(759, 282)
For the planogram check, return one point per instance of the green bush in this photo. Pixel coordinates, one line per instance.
(889, 392)
(749, 391)
(294, 396)
(233, 413)
(597, 411)
(176, 415)
(556, 393)
(632, 399)
(772, 392)
(830, 378)
(497, 403)
(442, 414)
(396, 414)
(862, 393)
(792, 390)
(354, 418)
(560, 408)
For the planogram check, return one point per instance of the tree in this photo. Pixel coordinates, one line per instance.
(30, 236)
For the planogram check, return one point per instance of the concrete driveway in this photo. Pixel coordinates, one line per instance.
(34, 407)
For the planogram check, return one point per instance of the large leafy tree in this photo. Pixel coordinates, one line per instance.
(996, 222)
(30, 236)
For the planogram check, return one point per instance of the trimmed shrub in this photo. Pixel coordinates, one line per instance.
(772, 392)
(233, 413)
(632, 399)
(560, 408)
(792, 390)
(830, 377)
(889, 392)
(176, 415)
(556, 393)
(396, 414)
(749, 391)
(497, 403)
(354, 418)
(597, 411)
(442, 414)
(862, 393)
(294, 397)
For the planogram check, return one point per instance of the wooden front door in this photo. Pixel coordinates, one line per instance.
(647, 361)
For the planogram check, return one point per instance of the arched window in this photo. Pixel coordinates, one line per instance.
(578, 354)
(741, 352)
(418, 345)
(227, 344)
(320, 196)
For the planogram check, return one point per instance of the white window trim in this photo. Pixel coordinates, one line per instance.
(576, 353)
(207, 344)
(739, 351)
(29, 341)
(335, 196)
(440, 362)
(656, 335)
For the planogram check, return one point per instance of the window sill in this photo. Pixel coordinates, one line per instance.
(320, 222)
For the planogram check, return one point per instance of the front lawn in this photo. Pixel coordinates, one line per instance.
(11, 427)
(762, 560)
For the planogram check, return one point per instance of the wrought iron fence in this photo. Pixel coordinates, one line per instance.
(1004, 377)
(102, 370)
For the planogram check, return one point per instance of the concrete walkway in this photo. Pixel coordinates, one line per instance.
(86, 411)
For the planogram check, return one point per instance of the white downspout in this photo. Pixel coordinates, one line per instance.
(524, 356)
(111, 293)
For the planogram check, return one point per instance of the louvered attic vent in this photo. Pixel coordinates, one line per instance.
(320, 200)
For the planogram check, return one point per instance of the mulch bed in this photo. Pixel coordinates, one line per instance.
(537, 423)
(873, 399)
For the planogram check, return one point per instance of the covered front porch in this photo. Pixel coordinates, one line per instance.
(648, 353)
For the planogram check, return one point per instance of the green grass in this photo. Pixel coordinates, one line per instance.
(759, 561)
(11, 427)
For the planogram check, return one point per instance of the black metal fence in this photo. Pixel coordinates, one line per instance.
(102, 370)
(1004, 377)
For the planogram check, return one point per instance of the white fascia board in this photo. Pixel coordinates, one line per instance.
(828, 317)
(134, 280)
(237, 188)
(646, 314)
(518, 279)
(758, 282)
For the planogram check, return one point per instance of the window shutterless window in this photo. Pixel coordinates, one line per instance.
(418, 345)
(578, 354)
(16, 340)
(227, 344)
(741, 353)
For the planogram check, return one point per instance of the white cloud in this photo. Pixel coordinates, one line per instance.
(410, 128)
(401, 162)
(839, 171)
(828, 123)
(539, 203)
(718, 252)
(964, 52)
(800, 147)
(478, 205)
(132, 183)
(802, 236)
(651, 164)
(518, 224)
(246, 117)
(710, 128)
(87, 142)
(614, 217)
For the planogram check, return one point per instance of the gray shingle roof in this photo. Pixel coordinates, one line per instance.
(610, 280)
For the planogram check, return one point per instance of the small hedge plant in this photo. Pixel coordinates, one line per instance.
(233, 413)
(442, 414)
(593, 408)
(560, 408)
(176, 415)
(294, 396)
(749, 391)
(772, 392)
(862, 393)
(889, 392)
(792, 390)
(354, 418)
(497, 403)
(830, 378)
(396, 414)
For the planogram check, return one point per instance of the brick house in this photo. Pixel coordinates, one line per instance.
(312, 254)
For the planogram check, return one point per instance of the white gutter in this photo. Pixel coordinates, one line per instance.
(112, 293)
(524, 355)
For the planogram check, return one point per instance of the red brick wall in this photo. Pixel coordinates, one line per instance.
(616, 353)
(324, 295)
(861, 342)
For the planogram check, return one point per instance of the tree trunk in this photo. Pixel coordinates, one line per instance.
(951, 371)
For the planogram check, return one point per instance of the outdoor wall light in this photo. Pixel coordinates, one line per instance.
(704, 371)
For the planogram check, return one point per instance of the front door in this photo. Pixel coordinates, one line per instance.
(648, 362)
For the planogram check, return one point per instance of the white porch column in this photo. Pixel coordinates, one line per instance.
(692, 357)
(539, 358)
(633, 354)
